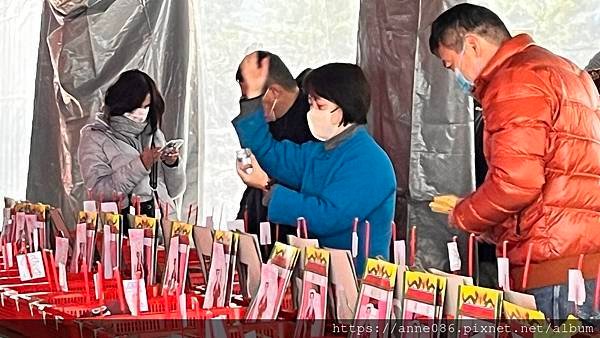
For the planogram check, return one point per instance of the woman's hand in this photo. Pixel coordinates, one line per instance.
(170, 158)
(149, 156)
(254, 178)
(255, 75)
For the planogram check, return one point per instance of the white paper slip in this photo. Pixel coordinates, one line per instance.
(96, 286)
(183, 306)
(89, 206)
(183, 248)
(62, 277)
(454, 256)
(36, 262)
(36, 239)
(109, 207)
(132, 210)
(131, 296)
(62, 250)
(238, 224)
(503, 273)
(521, 299)
(24, 268)
(354, 244)
(265, 233)
(10, 255)
(400, 252)
(4, 258)
(106, 252)
(576, 287)
(31, 266)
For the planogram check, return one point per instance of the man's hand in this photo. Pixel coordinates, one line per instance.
(488, 237)
(254, 75)
(257, 178)
(451, 220)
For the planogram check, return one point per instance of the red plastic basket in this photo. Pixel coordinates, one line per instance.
(31, 286)
(12, 272)
(44, 328)
(156, 320)
(15, 306)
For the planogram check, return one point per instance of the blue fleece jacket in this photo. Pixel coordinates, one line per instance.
(330, 183)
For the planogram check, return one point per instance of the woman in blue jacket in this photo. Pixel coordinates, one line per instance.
(328, 183)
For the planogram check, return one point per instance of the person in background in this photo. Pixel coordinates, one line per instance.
(329, 183)
(541, 125)
(286, 107)
(595, 74)
(300, 78)
(594, 62)
(120, 151)
(593, 68)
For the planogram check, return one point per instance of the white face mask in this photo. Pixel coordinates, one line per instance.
(270, 117)
(321, 125)
(138, 115)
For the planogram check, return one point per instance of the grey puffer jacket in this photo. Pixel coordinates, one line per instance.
(109, 164)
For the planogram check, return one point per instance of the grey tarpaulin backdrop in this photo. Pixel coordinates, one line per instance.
(418, 115)
(83, 52)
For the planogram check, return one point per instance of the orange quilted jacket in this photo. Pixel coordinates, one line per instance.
(542, 146)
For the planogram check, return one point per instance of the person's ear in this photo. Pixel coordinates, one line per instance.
(337, 117)
(472, 42)
(276, 90)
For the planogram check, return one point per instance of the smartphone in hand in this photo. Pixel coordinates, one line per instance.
(172, 146)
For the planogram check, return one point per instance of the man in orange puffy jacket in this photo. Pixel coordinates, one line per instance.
(542, 146)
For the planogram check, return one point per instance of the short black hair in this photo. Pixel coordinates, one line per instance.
(129, 92)
(300, 78)
(344, 84)
(450, 27)
(278, 72)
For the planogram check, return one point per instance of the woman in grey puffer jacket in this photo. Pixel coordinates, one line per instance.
(120, 149)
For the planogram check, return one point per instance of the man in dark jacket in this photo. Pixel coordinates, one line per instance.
(285, 107)
(593, 68)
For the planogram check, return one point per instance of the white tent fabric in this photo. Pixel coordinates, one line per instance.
(19, 36)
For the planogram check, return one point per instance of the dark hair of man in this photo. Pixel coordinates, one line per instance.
(300, 78)
(595, 74)
(344, 84)
(451, 26)
(129, 92)
(278, 72)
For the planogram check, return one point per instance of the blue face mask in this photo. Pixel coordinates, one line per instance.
(464, 84)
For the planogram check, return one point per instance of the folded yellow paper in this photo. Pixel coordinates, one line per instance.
(448, 200)
(443, 204)
(439, 208)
